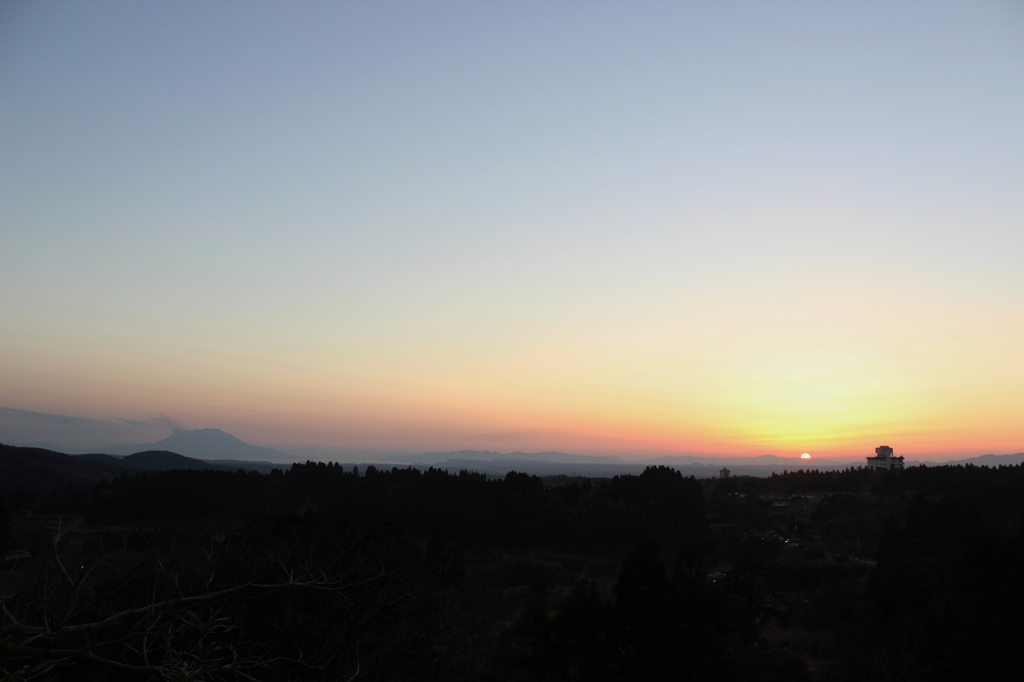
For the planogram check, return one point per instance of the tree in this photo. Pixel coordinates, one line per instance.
(646, 617)
(5, 525)
(264, 604)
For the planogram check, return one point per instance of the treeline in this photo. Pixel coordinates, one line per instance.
(318, 572)
(997, 492)
(516, 511)
(926, 479)
(321, 573)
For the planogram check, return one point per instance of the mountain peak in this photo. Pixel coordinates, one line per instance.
(203, 435)
(204, 444)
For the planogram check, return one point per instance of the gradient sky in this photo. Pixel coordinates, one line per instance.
(619, 228)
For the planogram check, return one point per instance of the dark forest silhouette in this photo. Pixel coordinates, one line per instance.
(322, 572)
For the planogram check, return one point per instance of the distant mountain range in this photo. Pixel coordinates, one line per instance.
(24, 468)
(555, 463)
(992, 460)
(205, 444)
(551, 457)
(431, 458)
(215, 449)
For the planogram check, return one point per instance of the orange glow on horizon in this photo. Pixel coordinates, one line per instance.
(745, 376)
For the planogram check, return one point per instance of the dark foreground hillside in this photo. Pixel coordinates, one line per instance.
(323, 573)
(33, 476)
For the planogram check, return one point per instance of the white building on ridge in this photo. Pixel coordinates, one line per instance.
(884, 460)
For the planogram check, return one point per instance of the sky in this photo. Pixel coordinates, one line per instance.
(605, 228)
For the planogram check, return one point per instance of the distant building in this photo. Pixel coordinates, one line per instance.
(724, 473)
(883, 459)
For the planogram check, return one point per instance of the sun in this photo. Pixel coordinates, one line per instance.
(806, 455)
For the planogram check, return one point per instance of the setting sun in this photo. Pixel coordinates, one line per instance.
(805, 456)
